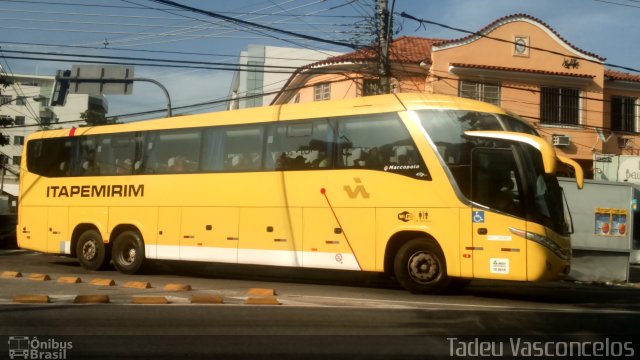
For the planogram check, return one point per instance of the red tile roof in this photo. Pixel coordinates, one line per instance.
(515, 17)
(405, 49)
(532, 71)
(620, 76)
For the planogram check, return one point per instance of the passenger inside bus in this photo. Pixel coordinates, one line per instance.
(123, 167)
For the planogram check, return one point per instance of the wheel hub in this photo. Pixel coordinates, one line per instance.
(423, 267)
(89, 250)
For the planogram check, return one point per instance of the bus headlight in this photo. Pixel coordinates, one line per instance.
(544, 241)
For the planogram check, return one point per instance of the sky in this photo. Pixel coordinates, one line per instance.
(40, 37)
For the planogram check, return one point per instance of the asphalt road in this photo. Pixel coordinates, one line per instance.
(322, 315)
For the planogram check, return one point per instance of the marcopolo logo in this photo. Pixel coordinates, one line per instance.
(25, 347)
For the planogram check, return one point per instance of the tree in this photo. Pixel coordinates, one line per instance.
(5, 82)
(95, 118)
(6, 121)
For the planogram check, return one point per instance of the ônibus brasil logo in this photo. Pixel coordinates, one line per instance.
(25, 347)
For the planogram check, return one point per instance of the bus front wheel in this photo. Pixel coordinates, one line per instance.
(420, 267)
(128, 252)
(90, 250)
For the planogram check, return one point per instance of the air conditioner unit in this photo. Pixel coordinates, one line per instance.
(623, 143)
(561, 140)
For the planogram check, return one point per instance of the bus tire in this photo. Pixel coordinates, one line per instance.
(127, 253)
(90, 250)
(420, 267)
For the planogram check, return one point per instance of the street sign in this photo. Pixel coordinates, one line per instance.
(101, 80)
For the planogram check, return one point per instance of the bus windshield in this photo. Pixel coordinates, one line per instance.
(533, 194)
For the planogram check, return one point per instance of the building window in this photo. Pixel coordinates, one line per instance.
(322, 92)
(21, 100)
(480, 91)
(18, 140)
(560, 106)
(370, 87)
(5, 99)
(19, 120)
(16, 160)
(623, 113)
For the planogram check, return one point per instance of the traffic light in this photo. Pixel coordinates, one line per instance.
(61, 88)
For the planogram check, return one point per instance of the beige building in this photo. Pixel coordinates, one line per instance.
(517, 62)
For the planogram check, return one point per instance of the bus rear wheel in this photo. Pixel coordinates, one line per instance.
(90, 250)
(420, 267)
(128, 252)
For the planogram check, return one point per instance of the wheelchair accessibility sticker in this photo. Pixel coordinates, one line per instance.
(478, 216)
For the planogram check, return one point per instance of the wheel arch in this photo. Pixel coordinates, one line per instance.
(120, 228)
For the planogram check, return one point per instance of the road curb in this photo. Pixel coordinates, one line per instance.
(39, 277)
(177, 287)
(103, 282)
(32, 299)
(137, 285)
(261, 292)
(263, 300)
(11, 274)
(206, 299)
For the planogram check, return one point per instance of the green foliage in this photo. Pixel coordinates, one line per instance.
(6, 121)
(95, 118)
(5, 82)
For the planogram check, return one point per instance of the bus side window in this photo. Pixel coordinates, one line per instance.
(378, 142)
(48, 157)
(172, 151)
(299, 145)
(242, 148)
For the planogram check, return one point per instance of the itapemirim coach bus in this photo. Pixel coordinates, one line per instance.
(430, 189)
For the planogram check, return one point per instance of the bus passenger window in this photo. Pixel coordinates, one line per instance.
(299, 146)
(172, 151)
(242, 148)
(379, 142)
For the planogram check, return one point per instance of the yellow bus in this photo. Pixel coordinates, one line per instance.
(429, 189)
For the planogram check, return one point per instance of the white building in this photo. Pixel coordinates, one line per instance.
(267, 69)
(26, 102)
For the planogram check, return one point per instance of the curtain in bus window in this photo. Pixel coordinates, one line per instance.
(212, 149)
(123, 153)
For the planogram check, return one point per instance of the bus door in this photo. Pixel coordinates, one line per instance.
(496, 192)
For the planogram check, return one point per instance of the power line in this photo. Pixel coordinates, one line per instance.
(250, 24)
(618, 4)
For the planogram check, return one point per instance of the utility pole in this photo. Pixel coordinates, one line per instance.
(384, 26)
